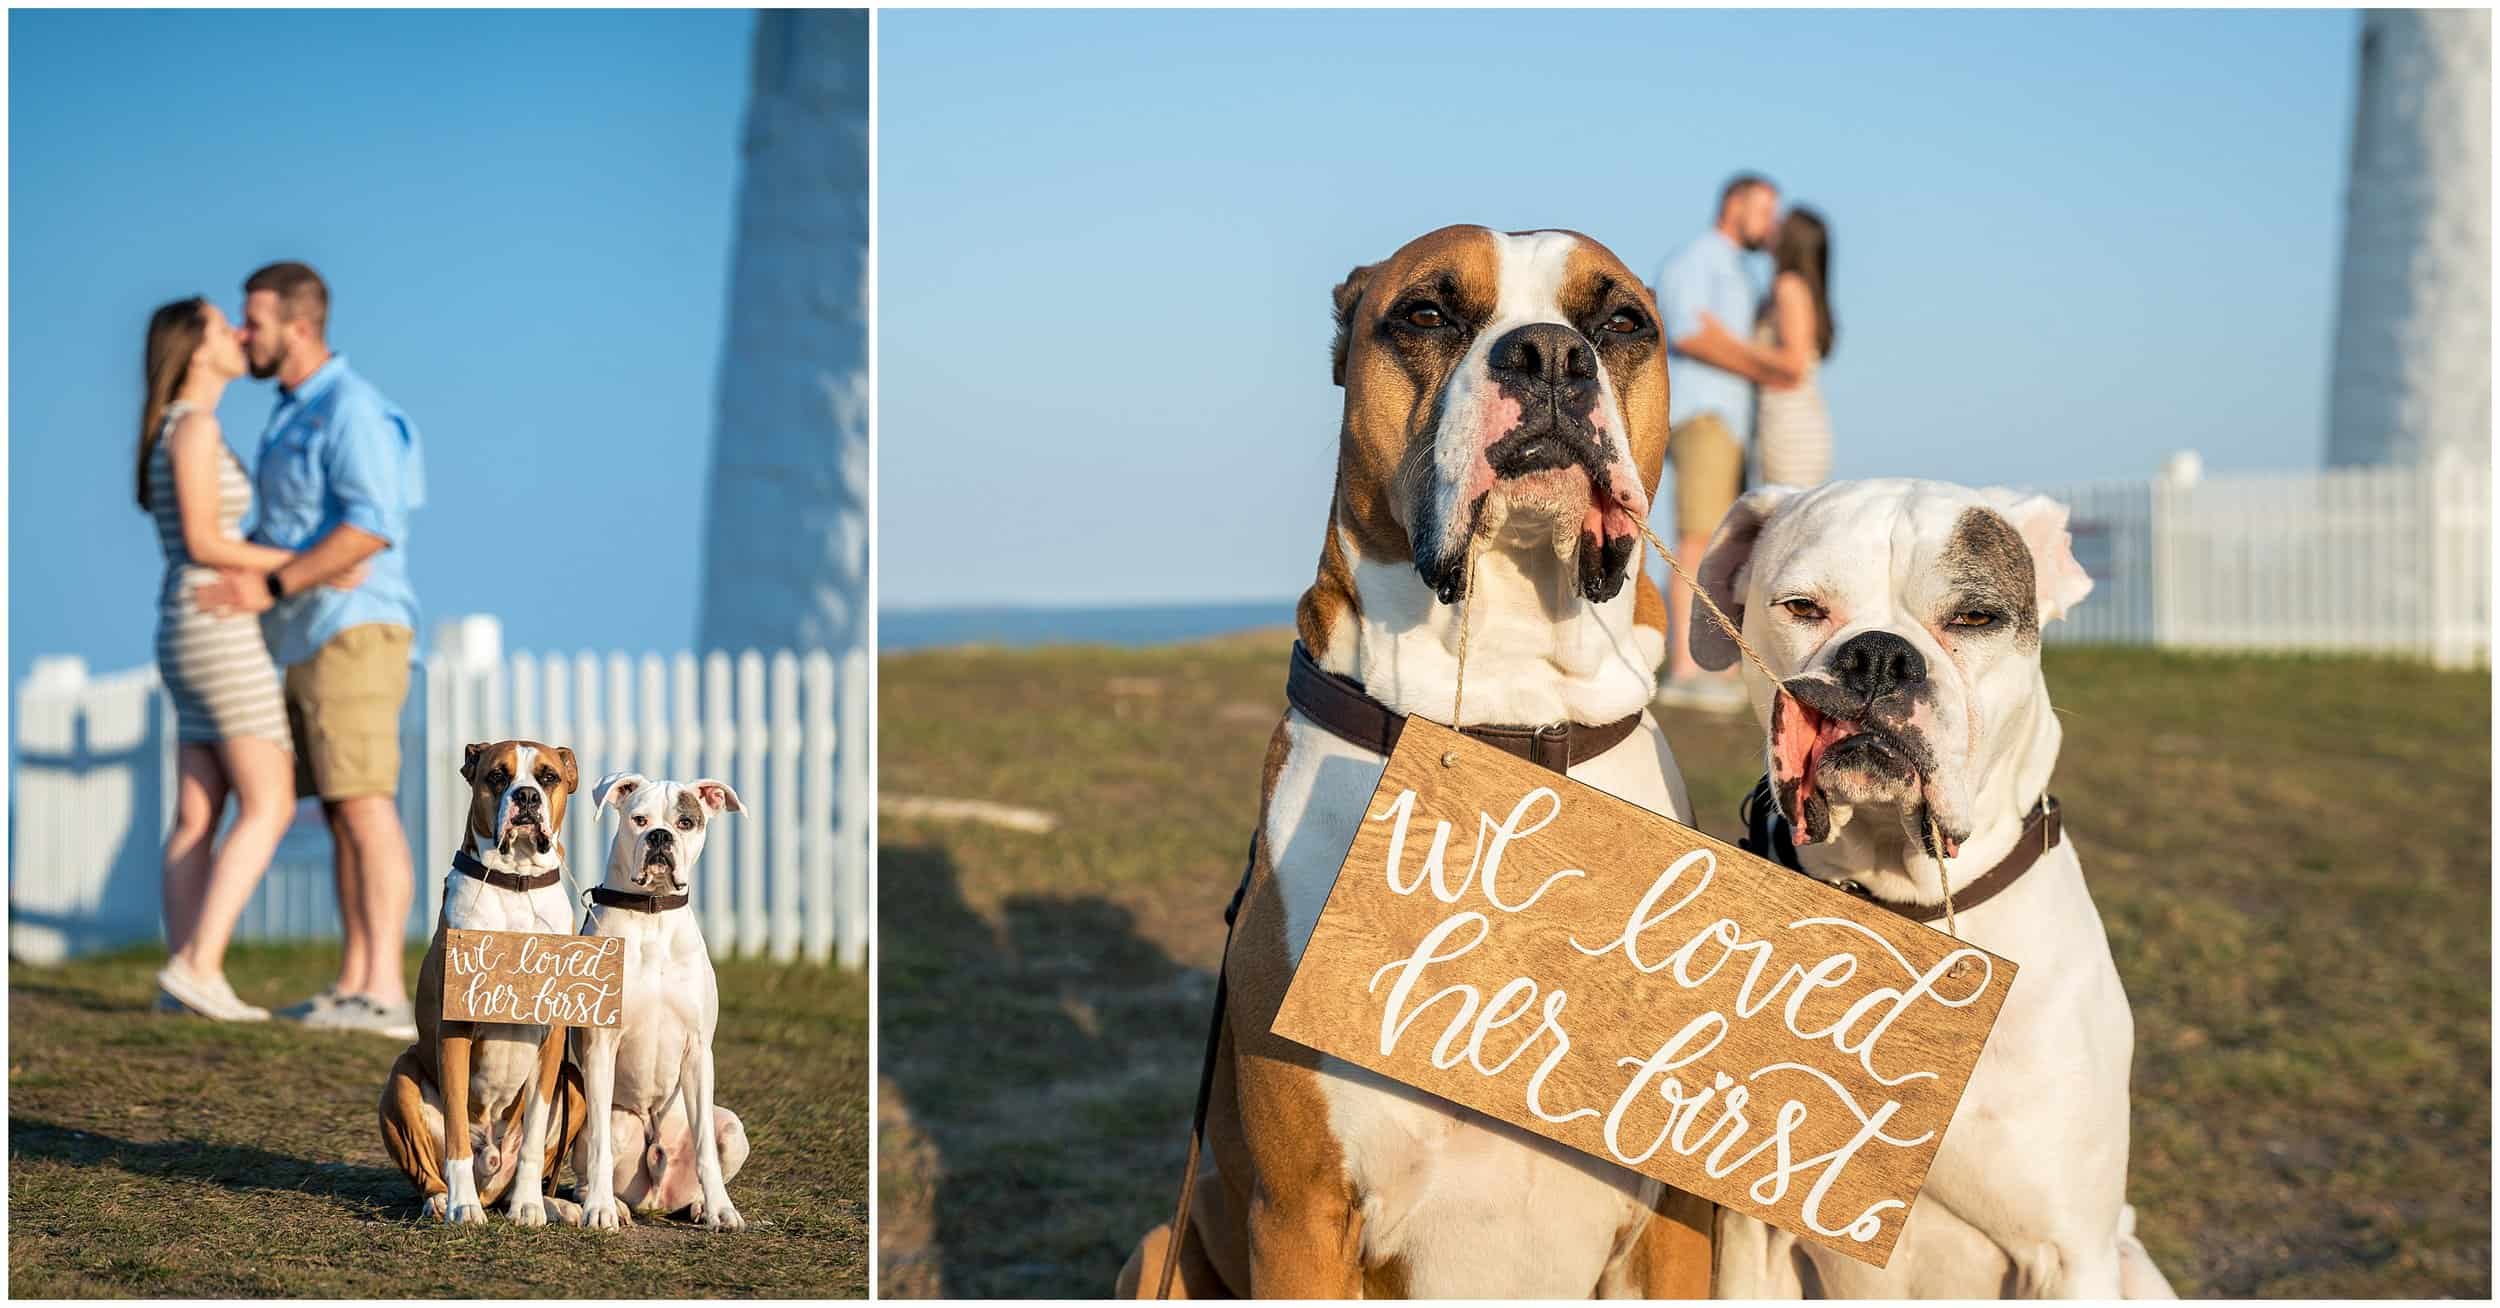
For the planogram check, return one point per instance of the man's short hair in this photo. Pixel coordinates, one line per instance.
(301, 292)
(1736, 187)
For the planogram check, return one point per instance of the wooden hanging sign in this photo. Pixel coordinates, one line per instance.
(1610, 979)
(533, 979)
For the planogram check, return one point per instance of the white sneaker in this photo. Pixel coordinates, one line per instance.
(360, 1013)
(1703, 694)
(304, 1010)
(210, 997)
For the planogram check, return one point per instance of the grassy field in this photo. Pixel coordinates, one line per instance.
(153, 1155)
(2293, 858)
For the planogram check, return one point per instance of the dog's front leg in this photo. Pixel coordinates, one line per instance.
(1306, 1246)
(718, 1213)
(459, 1151)
(596, 1159)
(528, 1206)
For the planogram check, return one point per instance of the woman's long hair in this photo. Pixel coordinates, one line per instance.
(1804, 247)
(174, 334)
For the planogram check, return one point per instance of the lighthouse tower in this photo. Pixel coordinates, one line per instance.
(2412, 362)
(785, 548)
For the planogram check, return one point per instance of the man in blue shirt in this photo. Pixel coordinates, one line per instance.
(338, 472)
(1705, 298)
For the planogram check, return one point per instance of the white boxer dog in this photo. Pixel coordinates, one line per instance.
(1505, 404)
(650, 1078)
(1903, 619)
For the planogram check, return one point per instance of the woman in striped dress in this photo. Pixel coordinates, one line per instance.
(230, 718)
(1792, 431)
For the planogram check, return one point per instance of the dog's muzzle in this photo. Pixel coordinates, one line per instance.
(659, 861)
(525, 825)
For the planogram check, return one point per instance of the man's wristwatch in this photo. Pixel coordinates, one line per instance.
(276, 591)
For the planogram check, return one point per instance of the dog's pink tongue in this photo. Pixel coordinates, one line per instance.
(1799, 735)
(1795, 744)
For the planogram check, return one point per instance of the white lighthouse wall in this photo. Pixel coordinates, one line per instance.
(2412, 362)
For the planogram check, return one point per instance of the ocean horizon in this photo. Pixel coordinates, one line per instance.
(1110, 624)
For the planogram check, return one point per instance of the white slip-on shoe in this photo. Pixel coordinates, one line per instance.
(206, 996)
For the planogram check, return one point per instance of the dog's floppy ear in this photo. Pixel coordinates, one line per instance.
(2058, 580)
(468, 761)
(1722, 574)
(571, 768)
(717, 796)
(1348, 293)
(616, 788)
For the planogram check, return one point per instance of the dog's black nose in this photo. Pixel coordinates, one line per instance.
(1878, 663)
(525, 799)
(656, 837)
(1545, 352)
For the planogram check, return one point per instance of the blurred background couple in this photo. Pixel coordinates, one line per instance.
(285, 620)
(1744, 408)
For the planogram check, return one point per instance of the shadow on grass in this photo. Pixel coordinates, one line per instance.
(372, 1193)
(1048, 1064)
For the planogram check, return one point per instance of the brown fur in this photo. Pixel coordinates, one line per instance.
(1389, 399)
(439, 1060)
(1273, 1214)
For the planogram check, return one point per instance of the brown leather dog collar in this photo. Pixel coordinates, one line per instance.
(468, 866)
(635, 903)
(1340, 706)
(1766, 834)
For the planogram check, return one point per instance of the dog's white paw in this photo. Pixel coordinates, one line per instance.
(437, 1205)
(468, 1214)
(723, 1218)
(531, 1213)
(606, 1214)
(563, 1210)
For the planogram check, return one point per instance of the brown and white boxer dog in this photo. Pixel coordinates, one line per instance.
(504, 1092)
(1508, 387)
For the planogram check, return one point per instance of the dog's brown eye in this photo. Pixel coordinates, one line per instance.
(1972, 618)
(1801, 607)
(498, 778)
(547, 779)
(1426, 316)
(1624, 322)
(685, 824)
(641, 821)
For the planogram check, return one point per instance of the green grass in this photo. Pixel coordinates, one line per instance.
(2292, 856)
(168, 1156)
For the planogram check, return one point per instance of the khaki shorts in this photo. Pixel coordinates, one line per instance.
(342, 706)
(1709, 473)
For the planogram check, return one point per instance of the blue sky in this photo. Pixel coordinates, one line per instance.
(2064, 245)
(525, 221)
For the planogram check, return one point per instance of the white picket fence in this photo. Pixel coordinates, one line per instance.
(2393, 561)
(94, 782)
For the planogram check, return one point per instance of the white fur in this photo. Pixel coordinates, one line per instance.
(2028, 1189)
(503, 1058)
(1474, 1207)
(658, 1063)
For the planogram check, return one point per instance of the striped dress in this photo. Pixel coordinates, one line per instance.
(1792, 431)
(216, 670)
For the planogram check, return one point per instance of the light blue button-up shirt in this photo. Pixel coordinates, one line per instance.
(335, 451)
(1708, 274)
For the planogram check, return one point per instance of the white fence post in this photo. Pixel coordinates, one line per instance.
(817, 817)
(752, 742)
(854, 859)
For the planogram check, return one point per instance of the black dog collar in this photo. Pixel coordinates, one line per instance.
(468, 866)
(635, 903)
